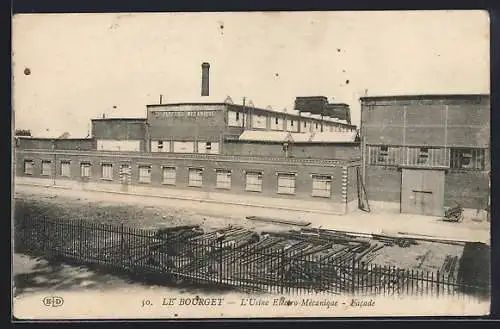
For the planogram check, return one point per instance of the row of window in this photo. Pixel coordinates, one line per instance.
(455, 158)
(275, 123)
(286, 182)
(185, 147)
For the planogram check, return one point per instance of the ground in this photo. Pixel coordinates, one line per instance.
(34, 277)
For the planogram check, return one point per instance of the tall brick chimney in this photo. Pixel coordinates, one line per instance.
(205, 76)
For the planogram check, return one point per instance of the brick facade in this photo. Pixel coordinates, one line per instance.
(347, 151)
(238, 166)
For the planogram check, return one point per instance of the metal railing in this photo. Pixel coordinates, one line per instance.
(258, 266)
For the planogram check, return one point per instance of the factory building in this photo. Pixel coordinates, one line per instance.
(308, 157)
(418, 154)
(427, 152)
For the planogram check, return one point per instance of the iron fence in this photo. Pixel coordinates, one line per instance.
(258, 266)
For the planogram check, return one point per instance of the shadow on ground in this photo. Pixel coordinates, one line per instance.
(39, 275)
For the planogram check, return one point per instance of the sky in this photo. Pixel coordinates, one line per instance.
(85, 65)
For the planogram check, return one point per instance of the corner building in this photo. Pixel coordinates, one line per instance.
(423, 153)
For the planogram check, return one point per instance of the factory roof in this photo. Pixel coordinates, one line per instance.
(213, 100)
(334, 137)
(424, 96)
(283, 136)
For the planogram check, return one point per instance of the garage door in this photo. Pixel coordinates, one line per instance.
(422, 192)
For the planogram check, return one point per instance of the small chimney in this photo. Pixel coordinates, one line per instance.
(205, 76)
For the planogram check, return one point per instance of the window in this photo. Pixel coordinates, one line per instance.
(237, 116)
(321, 186)
(223, 178)
(305, 124)
(169, 175)
(316, 125)
(195, 177)
(276, 121)
(28, 167)
(423, 155)
(472, 159)
(384, 155)
(291, 123)
(253, 181)
(208, 145)
(46, 168)
(426, 156)
(65, 168)
(145, 174)
(107, 171)
(160, 145)
(85, 169)
(286, 183)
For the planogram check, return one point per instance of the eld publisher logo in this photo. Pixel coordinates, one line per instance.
(53, 301)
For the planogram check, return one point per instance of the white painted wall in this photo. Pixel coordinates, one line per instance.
(233, 121)
(278, 125)
(293, 128)
(259, 121)
(183, 147)
(155, 146)
(214, 148)
(119, 145)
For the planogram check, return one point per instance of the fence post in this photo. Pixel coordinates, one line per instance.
(80, 240)
(282, 270)
(122, 246)
(220, 260)
(44, 237)
(167, 250)
(353, 265)
(437, 281)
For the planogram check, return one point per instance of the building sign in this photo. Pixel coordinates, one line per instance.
(169, 114)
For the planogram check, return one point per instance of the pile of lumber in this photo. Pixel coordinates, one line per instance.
(210, 253)
(306, 258)
(279, 220)
(403, 242)
(174, 238)
(449, 267)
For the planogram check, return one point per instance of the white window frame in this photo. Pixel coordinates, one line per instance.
(286, 183)
(223, 179)
(107, 171)
(144, 173)
(42, 168)
(198, 182)
(317, 191)
(85, 169)
(31, 168)
(253, 187)
(62, 165)
(168, 179)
